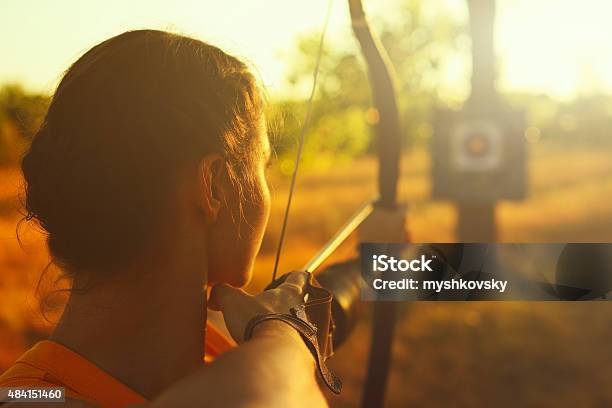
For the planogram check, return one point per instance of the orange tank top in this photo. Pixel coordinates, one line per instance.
(49, 364)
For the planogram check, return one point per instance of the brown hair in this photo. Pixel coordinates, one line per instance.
(125, 119)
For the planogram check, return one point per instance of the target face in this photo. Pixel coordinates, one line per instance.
(476, 146)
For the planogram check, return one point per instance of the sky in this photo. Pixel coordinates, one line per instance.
(557, 47)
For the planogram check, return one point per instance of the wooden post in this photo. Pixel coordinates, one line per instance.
(476, 221)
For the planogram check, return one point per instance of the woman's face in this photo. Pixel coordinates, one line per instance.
(235, 238)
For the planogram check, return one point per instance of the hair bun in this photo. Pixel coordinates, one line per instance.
(125, 119)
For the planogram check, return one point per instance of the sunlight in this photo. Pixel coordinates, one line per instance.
(556, 47)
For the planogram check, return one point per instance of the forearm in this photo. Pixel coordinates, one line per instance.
(274, 368)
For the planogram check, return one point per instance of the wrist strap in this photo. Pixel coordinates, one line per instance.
(308, 331)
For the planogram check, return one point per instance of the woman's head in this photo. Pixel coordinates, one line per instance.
(135, 118)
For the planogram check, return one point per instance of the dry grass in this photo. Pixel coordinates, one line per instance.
(459, 354)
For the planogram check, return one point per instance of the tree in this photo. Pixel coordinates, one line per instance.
(21, 114)
(420, 39)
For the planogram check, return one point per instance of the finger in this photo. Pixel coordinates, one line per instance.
(295, 282)
(298, 278)
(221, 295)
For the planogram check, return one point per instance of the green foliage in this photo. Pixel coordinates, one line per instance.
(24, 109)
(21, 114)
(584, 121)
(418, 43)
(422, 40)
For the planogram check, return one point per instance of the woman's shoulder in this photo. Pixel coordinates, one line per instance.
(28, 371)
(50, 364)
(24, 374)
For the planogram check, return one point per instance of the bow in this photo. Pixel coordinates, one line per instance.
(387, 129)
(387, 134)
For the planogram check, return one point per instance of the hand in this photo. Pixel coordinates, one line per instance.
(238, 307)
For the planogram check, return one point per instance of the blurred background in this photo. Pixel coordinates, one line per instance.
(554, 64)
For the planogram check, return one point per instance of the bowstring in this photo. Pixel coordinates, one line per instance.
(315, 77)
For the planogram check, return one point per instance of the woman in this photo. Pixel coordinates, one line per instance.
(147, 176)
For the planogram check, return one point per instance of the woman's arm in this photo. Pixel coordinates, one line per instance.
(273, 369)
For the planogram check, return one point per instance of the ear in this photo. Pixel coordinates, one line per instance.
(211, 172)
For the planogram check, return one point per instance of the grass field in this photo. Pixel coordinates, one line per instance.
(445, 354)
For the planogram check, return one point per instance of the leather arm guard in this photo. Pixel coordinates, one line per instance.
(313, 320)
